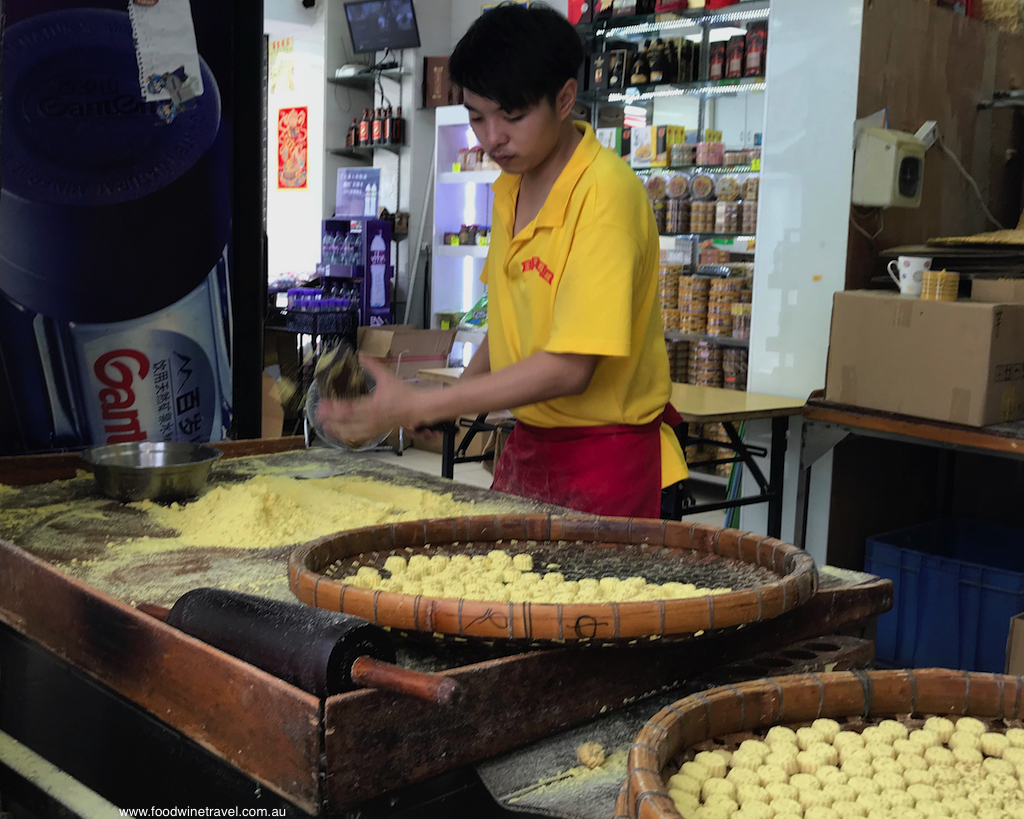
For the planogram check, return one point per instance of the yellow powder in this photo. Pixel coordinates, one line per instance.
(272, 511)
(7, 490)
(575, 779)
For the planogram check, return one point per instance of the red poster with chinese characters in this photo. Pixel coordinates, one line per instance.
(292, 147)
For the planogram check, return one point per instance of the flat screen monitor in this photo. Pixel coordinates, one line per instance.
(376, 25)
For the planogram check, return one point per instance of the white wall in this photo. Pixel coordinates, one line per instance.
(293, 216)
(803, 218)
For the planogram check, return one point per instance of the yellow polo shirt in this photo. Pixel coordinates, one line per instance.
(583, 278)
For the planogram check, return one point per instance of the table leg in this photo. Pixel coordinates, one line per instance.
(448, 451)
(780, 428)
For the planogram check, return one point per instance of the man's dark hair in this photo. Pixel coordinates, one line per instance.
(517, 56)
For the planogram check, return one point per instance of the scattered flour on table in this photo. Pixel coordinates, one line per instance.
(271, 511)
(576, 779)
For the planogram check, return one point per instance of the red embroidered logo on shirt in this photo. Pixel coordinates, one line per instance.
(536, 264)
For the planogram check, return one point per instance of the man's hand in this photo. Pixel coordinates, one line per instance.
(392, 403)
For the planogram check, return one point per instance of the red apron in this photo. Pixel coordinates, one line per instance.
(612, 470)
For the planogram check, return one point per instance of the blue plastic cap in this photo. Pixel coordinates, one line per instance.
(107, 212)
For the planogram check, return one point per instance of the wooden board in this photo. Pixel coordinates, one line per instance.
(711, 405)
(1001, 438)
(518, 699)
(261, 725)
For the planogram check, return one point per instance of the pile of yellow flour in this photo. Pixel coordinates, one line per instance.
(271, 511)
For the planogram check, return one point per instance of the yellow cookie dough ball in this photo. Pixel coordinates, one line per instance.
(919, 777)
(805, 737)
(498, 559)
(849, 810)
(993, 744)
(781, 790)
(880, 748)
(751, 793)
(830, 773)
(888, 780)
(970, 725)
(807, 762)
(820, 812)
(886, 764)
(893, 729)
(923, 793)
(772, 773)
(941, 726)
(722, 804)
(870, 801)
(858, 767)
(787, 807)
(395, 564)
(780, 734)
(967, 755)
(872, 734)
(685, 803)
(959, 804)
(696, 771)
(805, 782)
(925, 739)
(998, 767)
(755, 746)
(912, 762)
(523, 562)
(716, 766)
(755, 810)
(897, 799)
(946, 774)
(939, 756)
(933, 809)
(828, 727)
(788, 762)
(717, 787)
(855, 755)
(746, 759)
(848, 739)
(840, 793)
(965, 739)
(420, 562)
(864, 784)
(1016, 737)
(743, 776)
(685, 784)
(811, 798)
(907, 746)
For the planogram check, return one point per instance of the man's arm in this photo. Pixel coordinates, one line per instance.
(542, 376)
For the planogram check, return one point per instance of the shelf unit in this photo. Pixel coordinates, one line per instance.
(733, 106)
(460, 198)
(366, 80)
(364, 153)
(465, 251)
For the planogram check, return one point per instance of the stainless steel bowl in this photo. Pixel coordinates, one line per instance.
(168, 471)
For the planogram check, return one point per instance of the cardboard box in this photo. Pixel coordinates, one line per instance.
(437, 86)
(1015, 646)
(273, 411)
(665, 137)
(959, 361)
(1001, 291)
(643, 142)
(405, 349)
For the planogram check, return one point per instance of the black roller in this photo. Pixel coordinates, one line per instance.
(310, 648)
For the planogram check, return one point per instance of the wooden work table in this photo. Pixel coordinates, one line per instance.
(147, 715)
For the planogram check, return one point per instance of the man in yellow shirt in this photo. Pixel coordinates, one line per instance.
(574, 343)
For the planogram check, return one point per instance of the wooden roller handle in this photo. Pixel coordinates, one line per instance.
(159, 612)
(435, 688)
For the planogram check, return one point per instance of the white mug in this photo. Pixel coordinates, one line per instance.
(908, 273)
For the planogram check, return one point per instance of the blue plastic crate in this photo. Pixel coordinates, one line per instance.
(956, 584)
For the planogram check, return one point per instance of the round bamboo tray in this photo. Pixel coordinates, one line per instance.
(768, 577)
(723, 717)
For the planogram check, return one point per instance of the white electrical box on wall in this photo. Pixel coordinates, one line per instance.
(888, 169)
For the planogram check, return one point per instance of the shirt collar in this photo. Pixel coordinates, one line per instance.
(506, 187)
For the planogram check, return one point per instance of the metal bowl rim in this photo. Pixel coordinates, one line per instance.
(95, 455)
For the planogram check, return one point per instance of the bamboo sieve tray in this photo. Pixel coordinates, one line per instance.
(723, 717)
(768, 577)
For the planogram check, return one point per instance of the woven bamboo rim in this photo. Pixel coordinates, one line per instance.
(582, 622)
(760, 704)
